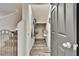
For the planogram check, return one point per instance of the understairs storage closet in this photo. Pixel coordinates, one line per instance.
(40, 47)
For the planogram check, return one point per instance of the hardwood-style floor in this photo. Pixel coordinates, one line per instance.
(40, 48)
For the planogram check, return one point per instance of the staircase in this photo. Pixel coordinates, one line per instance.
(9, 43)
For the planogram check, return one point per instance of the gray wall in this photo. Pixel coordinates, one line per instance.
(8, 6)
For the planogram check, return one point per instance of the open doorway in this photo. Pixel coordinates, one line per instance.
(41, 46)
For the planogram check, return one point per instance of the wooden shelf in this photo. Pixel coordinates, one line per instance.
(40, 22)
(40, 38)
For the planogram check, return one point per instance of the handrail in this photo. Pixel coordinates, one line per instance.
(7, 41)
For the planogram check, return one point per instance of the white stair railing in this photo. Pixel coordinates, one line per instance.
(8, 43)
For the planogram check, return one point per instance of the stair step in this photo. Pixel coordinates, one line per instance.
(8, 51)
(11, 43)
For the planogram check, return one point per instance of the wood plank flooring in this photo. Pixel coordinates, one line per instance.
(40, 48)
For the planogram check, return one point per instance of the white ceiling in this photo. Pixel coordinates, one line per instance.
(40, 11)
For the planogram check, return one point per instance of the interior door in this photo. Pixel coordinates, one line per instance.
(64, 36)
